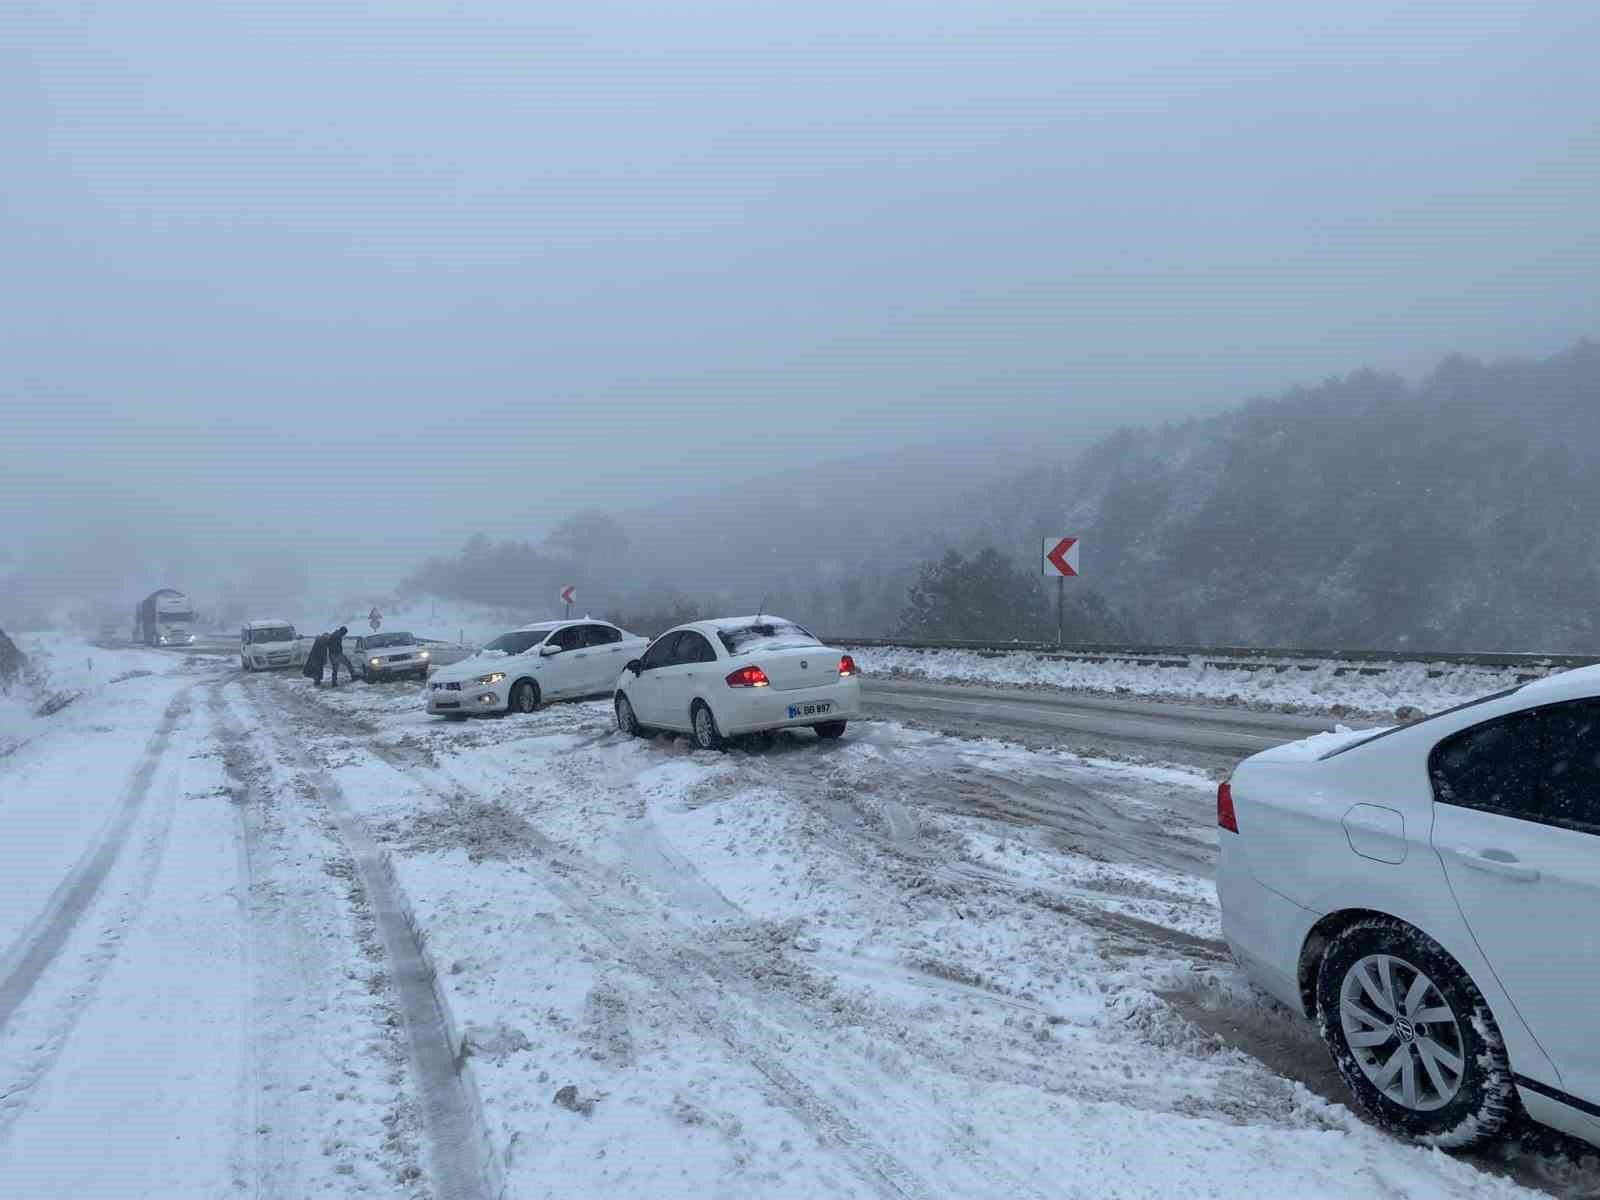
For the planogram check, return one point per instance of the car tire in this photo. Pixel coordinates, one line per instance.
(627, 719)
(706, 734)
(524, 697)
(830, 730)
(244, 664)
(1445, 1081)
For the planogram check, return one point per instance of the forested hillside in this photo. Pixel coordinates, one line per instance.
(1462, 512)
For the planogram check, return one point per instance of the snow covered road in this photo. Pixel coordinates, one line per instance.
(339, 948)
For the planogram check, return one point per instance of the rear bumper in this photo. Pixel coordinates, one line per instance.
(1264, 930)
(749, 710)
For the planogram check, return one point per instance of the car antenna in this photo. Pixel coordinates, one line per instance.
(762, 609)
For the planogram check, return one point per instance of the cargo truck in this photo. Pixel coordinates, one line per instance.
(164, 618)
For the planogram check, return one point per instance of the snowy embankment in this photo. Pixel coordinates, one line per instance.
(1320, 689)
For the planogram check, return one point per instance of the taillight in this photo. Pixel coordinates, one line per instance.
(847, 667)
(1225, 817)
(748, 677)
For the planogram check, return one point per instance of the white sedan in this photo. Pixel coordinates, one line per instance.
(1430, 895)
(520, 670)
(737, 675)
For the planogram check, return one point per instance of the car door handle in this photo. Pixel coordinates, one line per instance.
(1497, 862)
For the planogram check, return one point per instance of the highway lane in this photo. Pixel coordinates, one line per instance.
(1203, 734)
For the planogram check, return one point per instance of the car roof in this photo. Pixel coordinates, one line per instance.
(268, 624)
(715, 625)
(1566, 685)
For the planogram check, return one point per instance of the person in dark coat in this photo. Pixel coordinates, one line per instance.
(336, 656)
(316, 659)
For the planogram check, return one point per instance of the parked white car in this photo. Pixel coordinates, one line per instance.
(737, 675)
(523, 669)
(269, 645)
(1431, 895)
(389, 656)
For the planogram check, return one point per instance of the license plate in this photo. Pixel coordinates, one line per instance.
(822, 708)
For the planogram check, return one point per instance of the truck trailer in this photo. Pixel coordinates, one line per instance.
(164, 618)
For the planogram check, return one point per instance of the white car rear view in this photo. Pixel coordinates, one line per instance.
(1430, 895)
(738, 675)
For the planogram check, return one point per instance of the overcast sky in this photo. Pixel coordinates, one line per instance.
(419, 268)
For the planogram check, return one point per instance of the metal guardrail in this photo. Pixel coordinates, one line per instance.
(1366, 662)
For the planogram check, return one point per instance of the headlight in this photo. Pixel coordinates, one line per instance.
(375, 662)
(492, 677)
(424, 654)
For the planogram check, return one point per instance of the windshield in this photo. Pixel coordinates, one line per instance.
(172, 618)
(764, 635)
(378, 641)
(279, 633)
(517, 641)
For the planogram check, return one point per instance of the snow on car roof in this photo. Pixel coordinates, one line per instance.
(266, 624)
(549, 626)
(1578, 679)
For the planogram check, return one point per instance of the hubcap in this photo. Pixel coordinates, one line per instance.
(702, 726)
(625, 715)
(1403, 1032)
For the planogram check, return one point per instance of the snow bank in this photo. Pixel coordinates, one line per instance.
(1319, 689)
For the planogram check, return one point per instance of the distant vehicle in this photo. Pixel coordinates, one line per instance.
(269, 645)
(164, 618)
(1429, 895)
(520, 670)
(736, 675)
(389, 656)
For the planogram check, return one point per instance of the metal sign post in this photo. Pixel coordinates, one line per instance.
(569, 596)
(1060, 560)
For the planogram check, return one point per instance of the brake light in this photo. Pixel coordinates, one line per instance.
(847, 667)
(1225, 815)
(748, 677)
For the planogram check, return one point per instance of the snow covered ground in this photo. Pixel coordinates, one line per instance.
(340, 948)
(1317, 690)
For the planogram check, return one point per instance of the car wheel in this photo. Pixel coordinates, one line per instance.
(1412, 1035)
(706, 735)
(525, 696)
(627, 719)
(243, 664)
(829, 730)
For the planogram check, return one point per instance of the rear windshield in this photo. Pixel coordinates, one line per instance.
(1383, 733)
(764, 635)
(517, 641)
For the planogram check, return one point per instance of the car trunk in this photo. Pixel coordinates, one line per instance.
(792, 670)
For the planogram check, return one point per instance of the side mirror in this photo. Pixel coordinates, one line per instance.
(635, 666)
(546, 650)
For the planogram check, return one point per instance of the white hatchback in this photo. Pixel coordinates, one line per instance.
(520, 670)
(1430, 894)
(738, 675)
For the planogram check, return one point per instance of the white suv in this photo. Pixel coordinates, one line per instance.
(1431, 895)
(268, 645)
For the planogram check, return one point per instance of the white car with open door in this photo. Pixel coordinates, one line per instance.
(1431, 895)
(520, 670)
(738, 675)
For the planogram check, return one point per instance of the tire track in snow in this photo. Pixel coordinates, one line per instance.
(463, 1164)
(38, 947)
(874, 1163)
